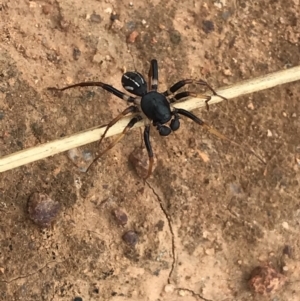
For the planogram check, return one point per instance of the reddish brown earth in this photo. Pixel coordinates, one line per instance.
(210, 213)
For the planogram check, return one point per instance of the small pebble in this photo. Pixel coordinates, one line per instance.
(131, 238)
(108, 10)
(192, 142)
(32, 4)
(250, 105)
(169, 288)
(285, 225)
(140, 161)
(285, 268)
(160, 225)
(208, 26)
(114, 16)
(120, 216)
(76, 53)
(269, 133)
(64, 24)
(42, 209)
(46, 9)
(218, 5)
(132, 37)
(78, 299)
(108, 58)
(265, 279)
(81, 158)
(95, 18)
(182, 293)
(287, 250)
(117, 25)
(175, 37)
(227, 72)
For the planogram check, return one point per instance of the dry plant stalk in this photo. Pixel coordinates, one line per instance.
(61, 145)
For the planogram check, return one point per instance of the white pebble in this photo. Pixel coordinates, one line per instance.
(108, 58)
(108, 10)
(285, 225)
(181, 293)
(269, 134)
(250, 105)
(169, 288)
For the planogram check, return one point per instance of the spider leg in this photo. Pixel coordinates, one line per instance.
(184, 82)
(214, 131)
(130, 124)
(149, 150)
(106, 87)
(202, 123)
(131, 109)
(153, 76)
(187, 94)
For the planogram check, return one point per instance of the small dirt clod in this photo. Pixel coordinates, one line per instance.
(265, 279)
(42, 209)
(208, 26)
(131, 238)
(140, 161)
(175, 37)
(120, 216)
(95, 18)
(132, 37)
(76, 53)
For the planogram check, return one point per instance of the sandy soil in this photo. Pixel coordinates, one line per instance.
(210, 213)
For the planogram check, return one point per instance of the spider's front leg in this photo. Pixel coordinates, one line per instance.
(104, 86)
(181, 95)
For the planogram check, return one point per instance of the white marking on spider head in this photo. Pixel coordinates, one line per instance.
(133, 81)
(129, 88)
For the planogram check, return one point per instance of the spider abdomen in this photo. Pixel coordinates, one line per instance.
(156, 107)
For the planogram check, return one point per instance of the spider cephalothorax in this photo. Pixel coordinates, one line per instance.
(148, 103)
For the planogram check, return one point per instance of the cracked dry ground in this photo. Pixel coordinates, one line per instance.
(210, 213)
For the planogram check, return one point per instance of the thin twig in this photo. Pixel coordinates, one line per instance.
(61, 145)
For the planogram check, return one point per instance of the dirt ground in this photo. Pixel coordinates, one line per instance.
(210, 213)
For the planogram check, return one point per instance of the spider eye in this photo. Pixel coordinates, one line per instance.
(134, 83)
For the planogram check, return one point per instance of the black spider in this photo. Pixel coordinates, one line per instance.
(155, 106)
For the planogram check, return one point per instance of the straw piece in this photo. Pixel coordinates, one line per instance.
(55, 147)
